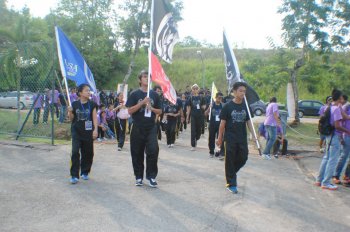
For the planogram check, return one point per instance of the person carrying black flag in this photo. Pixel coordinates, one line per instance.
(143, 136)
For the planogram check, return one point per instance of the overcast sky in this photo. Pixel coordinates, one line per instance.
(247, 22)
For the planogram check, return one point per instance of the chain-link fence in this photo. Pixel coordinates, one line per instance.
(29, 104)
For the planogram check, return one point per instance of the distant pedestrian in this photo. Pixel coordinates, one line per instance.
(271, 122)
(321, 113)
(83, 116)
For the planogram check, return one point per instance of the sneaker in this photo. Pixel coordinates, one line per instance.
(119, 148)
(318, 184)
(193, 148)
(169, 146)
(211, 155)
(138, 182)
(232, 189)
(221, 157)
(153, 183)
(172, 145)
(104, 138)
(322, 150)
(276, 156)
(266, 156)
(99, 139)
(329, 187)
(73, 180)
(84, 177)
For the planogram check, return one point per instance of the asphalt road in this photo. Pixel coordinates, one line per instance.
(275, 195)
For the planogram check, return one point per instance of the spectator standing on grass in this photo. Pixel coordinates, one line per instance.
(143, 135)
(37, 107)
(321, 113)
(331, 157)
(271, 122)
(62, 98)
(234, 118)
(83, 116)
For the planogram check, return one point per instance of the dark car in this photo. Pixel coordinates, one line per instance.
(258, 108)
(309, 108)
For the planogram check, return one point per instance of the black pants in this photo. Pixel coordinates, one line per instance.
(120, 129)
(143, 140)
(170, 131)
(82, 156)
(46, 113)
(213, 134)
(277, 145)
(196, 129)
(184, 124)
(101, 133)
(36, 116)
(111, 125)
(236, 155)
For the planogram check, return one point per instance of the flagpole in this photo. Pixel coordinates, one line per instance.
(150, 50)
(245, 99)
(211, 99)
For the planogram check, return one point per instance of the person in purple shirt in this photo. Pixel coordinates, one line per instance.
(54, 101)
(38, 103)
(271, 122)
(73, 95)
(331, 157)
(321, 113)
(345, 144)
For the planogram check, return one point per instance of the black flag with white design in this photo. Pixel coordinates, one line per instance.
(165, 34)
(232, 72)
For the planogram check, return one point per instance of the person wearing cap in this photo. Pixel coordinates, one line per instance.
(143, 135)
(195, 107)
(235, 118)
(321, 113)
(214, 122)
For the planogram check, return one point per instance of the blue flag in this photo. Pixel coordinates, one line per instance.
(73, 65)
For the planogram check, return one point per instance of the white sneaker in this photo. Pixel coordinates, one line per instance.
(171, 145)
(266, 156)
(119, 148)
(99, 139)
(193, 148)
(104, 138)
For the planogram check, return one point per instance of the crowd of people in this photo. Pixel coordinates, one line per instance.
(147, 116)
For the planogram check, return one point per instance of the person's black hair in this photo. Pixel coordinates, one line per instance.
(143, 72)
(81, 88)
(239, 84)
(219, 94)
(102, 105)
(273, 99)
(345, 97)
(102, 113)
(336, 94)
(156, 87)
(327, 98)
(110, 105)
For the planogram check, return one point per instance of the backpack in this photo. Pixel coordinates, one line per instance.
(324, 124)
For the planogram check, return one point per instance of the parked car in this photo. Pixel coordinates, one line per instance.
(9, 100)
(258, 108)
(309, 108)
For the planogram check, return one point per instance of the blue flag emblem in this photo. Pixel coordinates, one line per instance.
(72, 63)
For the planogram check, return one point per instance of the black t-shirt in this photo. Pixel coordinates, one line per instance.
(196, 103)
(215, 113)
(138, 117)
(82, 113)
(63, 99)
(236, 116)
(170, 108)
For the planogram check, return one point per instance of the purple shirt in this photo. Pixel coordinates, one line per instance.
(73, 97)
(110, 114)
(336, 116)
(101, 120)
(322, 110)
(55, 96)
(270, 118)
(95, 98)
(39, 102)
(346, 122)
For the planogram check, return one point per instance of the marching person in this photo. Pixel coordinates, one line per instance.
(171, 113)
(143, 136)
(214, 122)
(195, 107)
(234, 119)
(120, 120)
(83, 116)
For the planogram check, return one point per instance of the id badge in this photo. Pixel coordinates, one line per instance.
(88, 125)
(198, 107)
(217, 118)
(148, 113)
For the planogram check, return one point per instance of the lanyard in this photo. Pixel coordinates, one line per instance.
(86, 116)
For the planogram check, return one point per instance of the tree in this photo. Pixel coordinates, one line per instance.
(307, 26)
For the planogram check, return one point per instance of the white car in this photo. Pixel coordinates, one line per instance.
(9, 100)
